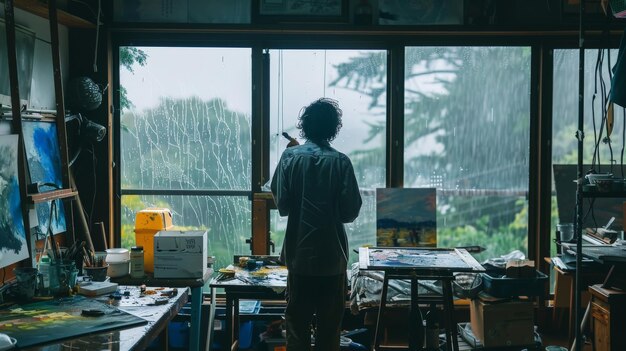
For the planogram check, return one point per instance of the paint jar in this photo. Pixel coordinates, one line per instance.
(26, 285)
(566, 231)
(252, 265)
(117, 255)
(44, 275)
(60, 277)
(97, 274)
(136, 262)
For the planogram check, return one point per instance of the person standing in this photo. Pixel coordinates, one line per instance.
(315, 186)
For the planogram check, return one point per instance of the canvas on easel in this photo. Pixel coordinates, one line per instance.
(13, 247)
(406, 217)
(44, 166)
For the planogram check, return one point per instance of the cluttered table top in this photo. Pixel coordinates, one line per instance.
(427, 259)
(128, 319)
(252, 272)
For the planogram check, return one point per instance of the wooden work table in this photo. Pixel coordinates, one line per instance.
(246, 284)
(195, 284)
(137, 337)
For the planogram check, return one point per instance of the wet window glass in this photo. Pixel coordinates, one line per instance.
(357, 80)
(467, 132)
(185, 126)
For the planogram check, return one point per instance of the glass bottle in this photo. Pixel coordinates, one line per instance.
(136, 262)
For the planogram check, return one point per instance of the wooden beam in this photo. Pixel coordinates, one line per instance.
(260, 227)
(40, 8)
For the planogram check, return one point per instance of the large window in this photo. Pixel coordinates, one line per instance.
(357, 79)
(467, 134)
(186, 141)
(600, 153)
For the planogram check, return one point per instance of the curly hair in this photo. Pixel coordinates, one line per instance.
(320, 121)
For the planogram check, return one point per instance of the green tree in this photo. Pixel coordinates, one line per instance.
(190, 144)
(477, 91)
(129, 56)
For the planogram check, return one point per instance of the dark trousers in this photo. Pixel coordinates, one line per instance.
(323, 297)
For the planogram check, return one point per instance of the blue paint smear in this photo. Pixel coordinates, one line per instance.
(16, 209)
(47, 148)
(43, 215)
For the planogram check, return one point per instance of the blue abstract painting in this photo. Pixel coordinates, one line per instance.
(406, 217)
(13, 247)
(44, 166)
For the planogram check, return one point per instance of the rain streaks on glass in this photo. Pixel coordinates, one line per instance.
(185, 125)
(467, 132)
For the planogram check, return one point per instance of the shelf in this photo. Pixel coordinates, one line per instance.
(52, 195)
(263, 196)
(40, 8)
(613, 194)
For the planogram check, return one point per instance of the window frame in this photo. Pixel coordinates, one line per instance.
(394, 41)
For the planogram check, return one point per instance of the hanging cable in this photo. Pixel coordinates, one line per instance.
(282, 92)
(605, 116)
(621, 158)
(593, 111)
(94, 161)
(280, 123)
(95, 50)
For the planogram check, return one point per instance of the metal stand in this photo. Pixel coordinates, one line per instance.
(579, 184)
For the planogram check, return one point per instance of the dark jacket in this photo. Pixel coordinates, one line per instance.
(315, 186)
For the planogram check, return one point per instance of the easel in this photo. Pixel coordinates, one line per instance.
(68, 191)
(422, 264)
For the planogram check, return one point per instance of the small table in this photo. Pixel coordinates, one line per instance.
(419, 264)
(133, 338)
(564, 290)
(266, 283)
(195, 284)
(613, 257)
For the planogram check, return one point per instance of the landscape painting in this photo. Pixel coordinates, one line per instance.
(13, 247)
(406, 217)
(44, 166)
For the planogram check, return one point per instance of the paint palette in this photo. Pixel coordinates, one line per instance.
(46, 321)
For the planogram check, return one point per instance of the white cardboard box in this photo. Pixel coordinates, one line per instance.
(180, 254)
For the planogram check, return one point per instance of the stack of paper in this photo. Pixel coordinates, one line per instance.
(96, 288)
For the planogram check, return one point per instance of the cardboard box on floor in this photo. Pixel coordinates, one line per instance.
(498, 324)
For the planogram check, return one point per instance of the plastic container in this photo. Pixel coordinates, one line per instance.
(566, 231)
(147, 223)
(502, 286)
(118, 269)
(178, 334)
(117, 255)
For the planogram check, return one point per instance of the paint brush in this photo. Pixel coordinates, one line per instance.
(86, 258)
(57, 248)
(52, 248)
